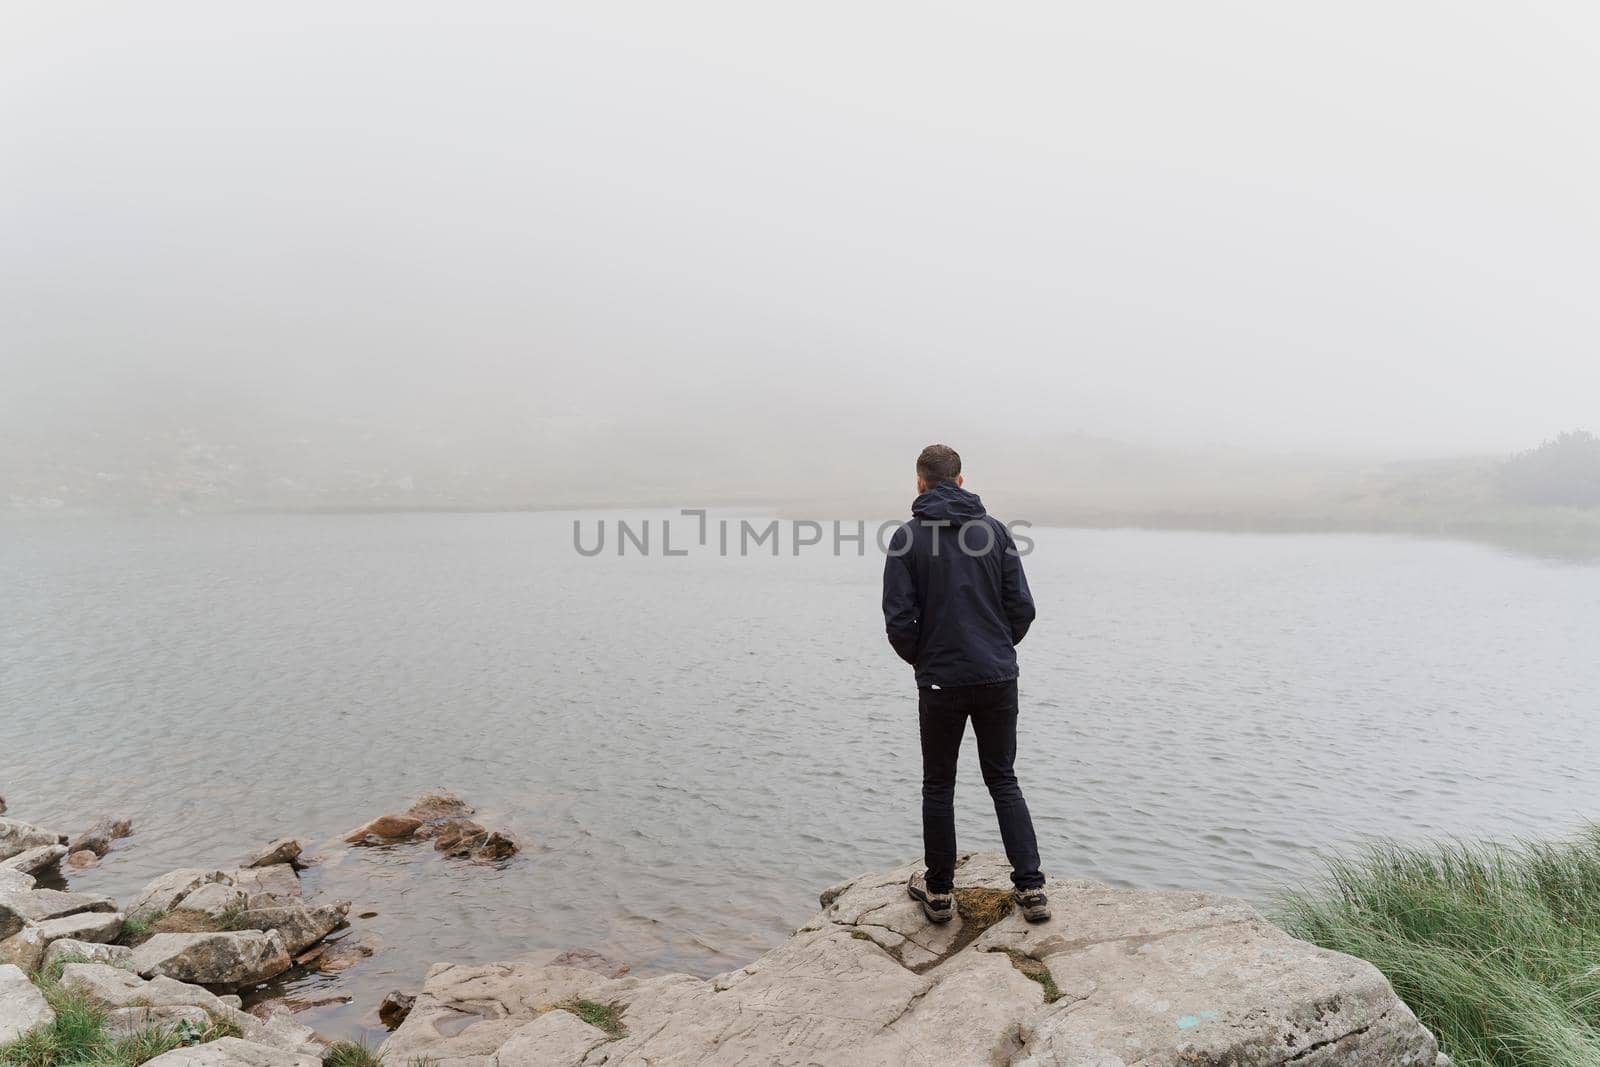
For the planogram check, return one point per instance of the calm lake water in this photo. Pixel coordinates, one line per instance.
(691, 747)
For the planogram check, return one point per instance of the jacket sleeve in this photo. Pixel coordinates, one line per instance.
(902, 613)
(1014, 592)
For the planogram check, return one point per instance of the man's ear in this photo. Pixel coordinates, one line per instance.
(922, 486)
(960, 481)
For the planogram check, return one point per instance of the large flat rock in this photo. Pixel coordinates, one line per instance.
(1117, 978)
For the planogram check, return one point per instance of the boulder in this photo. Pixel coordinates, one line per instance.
(166, 892)
(36, 860)
(98, 838)
(37, 905)
(278, 880)
(127, 1022)
(17, 837)
(15, 881)
(301, 925)
(24, 949)
(227, 958)
(283, 850)
(22, 1006)
(66, 948)
(91, 926)
(215, 899)
(383, 829)
(112, 987)
(233, 1052)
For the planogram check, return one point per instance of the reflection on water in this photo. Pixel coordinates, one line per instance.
(691, 747)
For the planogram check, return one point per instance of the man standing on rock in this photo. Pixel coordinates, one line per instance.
(955, 604)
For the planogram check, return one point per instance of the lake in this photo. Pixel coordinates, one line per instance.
(690, 747)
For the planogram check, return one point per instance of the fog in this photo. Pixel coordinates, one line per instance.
(611, 251)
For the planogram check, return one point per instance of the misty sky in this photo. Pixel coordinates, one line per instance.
(1362, 228)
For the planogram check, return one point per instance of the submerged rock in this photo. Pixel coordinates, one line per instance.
(83, 859)
(1117, 977)
(395, 1007)
(384, 829)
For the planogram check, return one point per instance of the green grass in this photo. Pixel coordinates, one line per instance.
(135, 930)
(1036, 970)
(603, 1016)
(78, 1036)
(1495, 947)
(351, 1054)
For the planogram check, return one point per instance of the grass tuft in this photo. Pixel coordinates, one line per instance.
(1036, 970)
(351, 1054)
(981, 907)
(607, 1017)
(1495, 947)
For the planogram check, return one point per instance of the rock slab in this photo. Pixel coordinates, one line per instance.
(22, 1006)
(1117, 978)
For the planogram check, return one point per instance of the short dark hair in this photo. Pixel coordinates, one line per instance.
(938, 463)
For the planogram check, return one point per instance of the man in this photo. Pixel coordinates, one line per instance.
(955, 604)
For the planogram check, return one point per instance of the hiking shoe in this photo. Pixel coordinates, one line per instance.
(1034, 904)
(938, 907)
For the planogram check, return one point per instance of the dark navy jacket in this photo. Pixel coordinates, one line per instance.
(955, 601)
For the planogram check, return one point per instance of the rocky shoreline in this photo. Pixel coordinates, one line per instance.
(1117, 978)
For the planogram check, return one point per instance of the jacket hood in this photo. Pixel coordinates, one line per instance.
(947, 502)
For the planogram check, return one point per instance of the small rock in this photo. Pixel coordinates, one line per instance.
(498, 845)
(386, 828)
(98, 838)
(394, 1009)
(22, 1006)
(63, 948)
(590, 960)
(227, 958)
(283, 850)
(83, 859)
(233, 1052)
(2, 805)
(453, 833)
(36, 860)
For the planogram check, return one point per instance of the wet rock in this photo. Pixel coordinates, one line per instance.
(395, 1007)
(83, 859)
(446, 833)
(499, 845)
(2, 805)
(346, 952)
(590, 960)
(283, 850)
(98, 838)
(225, 958)
(22, 1006)
(441, 805)
(167, 892)
(233, 1052)
(384, 829)
(66, 948)
(283, 1007)
(36, 860)
(17, 837)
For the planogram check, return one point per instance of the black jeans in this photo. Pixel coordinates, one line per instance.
(943, 714)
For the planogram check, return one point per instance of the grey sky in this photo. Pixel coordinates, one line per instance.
(1353, 227)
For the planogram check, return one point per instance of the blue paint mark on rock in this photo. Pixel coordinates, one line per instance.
(1189, 1022)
